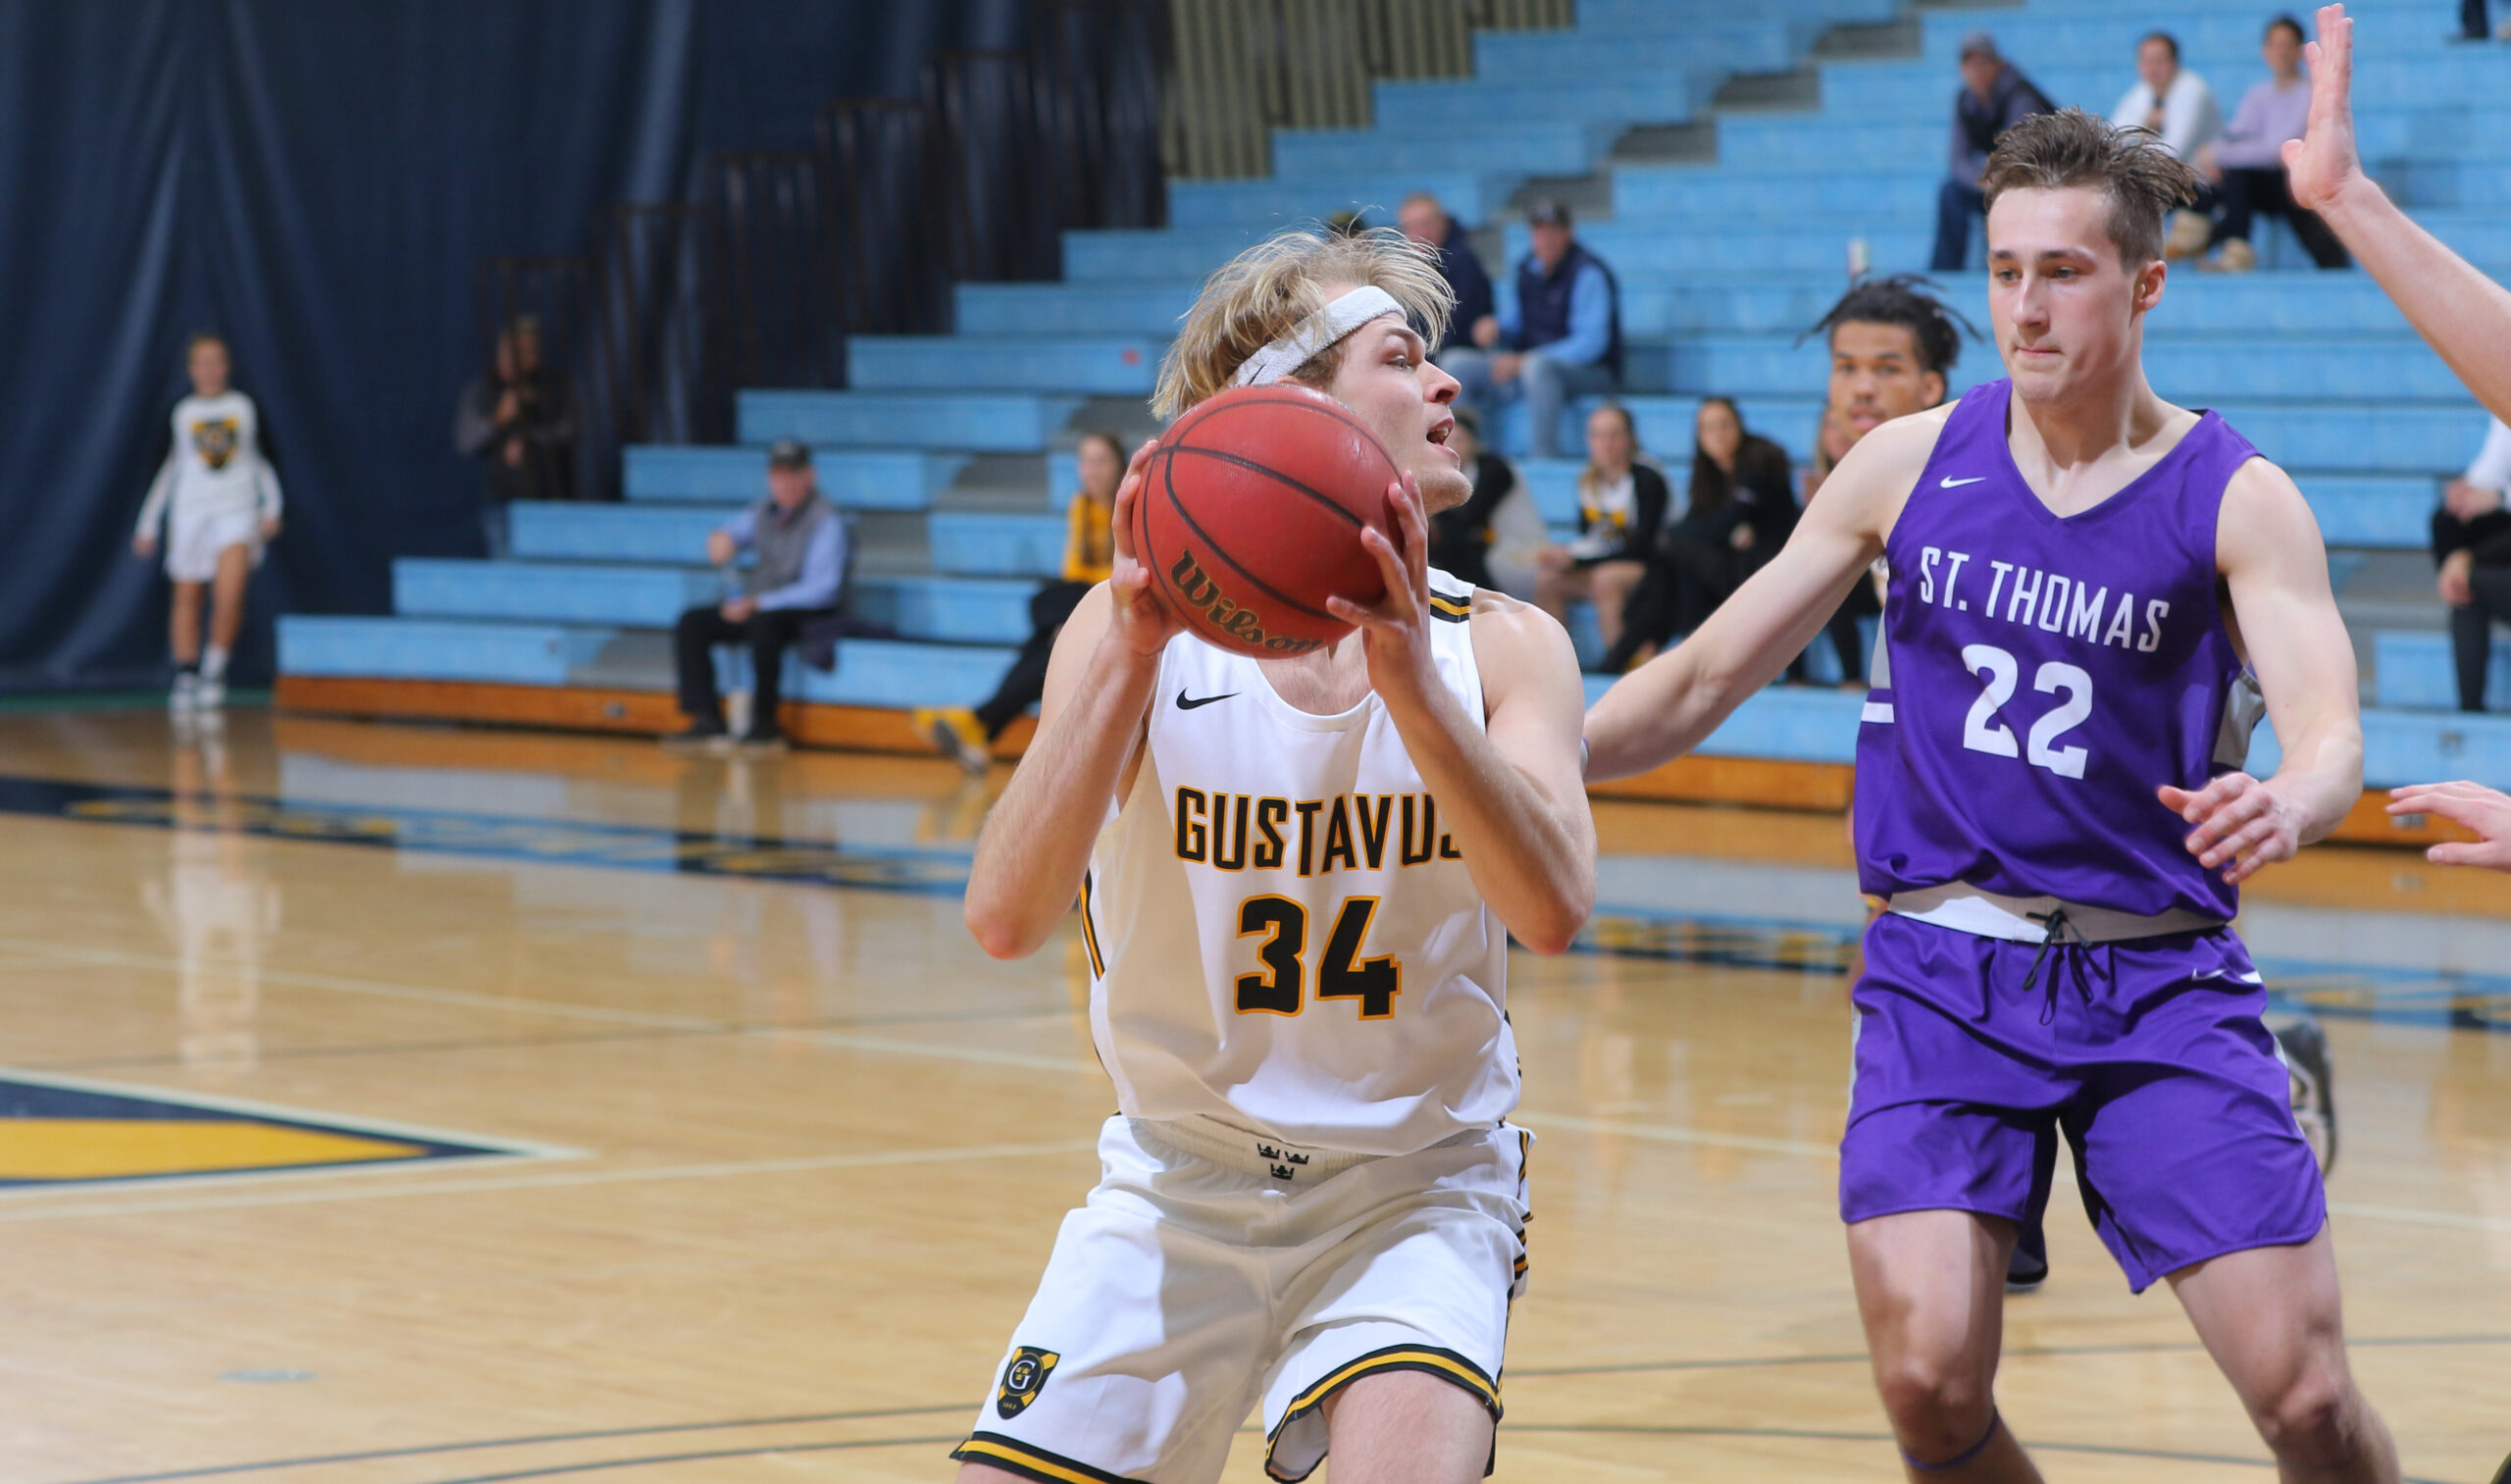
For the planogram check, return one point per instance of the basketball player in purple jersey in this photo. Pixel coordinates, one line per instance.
(1892, 344)
(2091, 587)
(2463, 313)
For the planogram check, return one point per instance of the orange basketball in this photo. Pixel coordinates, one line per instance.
(1251, 516)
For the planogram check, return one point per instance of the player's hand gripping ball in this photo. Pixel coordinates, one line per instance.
(1250, 515)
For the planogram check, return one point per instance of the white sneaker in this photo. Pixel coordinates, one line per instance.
(209, 695)
(185, 695)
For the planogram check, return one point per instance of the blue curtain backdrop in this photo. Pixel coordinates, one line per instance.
(317, 180)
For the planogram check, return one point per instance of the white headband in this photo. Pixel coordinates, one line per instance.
(1326, 326)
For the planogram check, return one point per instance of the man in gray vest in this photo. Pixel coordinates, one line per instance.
(799, 540)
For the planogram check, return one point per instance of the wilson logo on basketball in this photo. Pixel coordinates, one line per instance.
(1199, 590)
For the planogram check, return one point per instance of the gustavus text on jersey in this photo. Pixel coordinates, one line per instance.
(1313, 836)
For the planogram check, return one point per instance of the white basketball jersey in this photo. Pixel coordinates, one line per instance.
(1282, 934)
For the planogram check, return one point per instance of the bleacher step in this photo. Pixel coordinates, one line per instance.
(959, 422)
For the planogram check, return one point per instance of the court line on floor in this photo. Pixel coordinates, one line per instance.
(1514, 1372)
(341, 983)
(769, 1028)
(1791, 1434)
(2044, 1351)
(533, 1440)
(600, 1464)
(553, 1180)
(1645, 1430)
(990, 1057)
(1661, 1133)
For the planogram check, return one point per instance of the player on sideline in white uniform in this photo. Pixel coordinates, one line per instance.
(2463, 313)
(1297, 878)
(217, 498)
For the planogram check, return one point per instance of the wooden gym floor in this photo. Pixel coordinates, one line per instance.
(408, 1106)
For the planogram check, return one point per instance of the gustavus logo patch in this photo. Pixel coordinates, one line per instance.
(1023, 1379)
(216, 439)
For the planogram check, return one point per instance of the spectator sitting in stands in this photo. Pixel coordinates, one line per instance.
(1424, 220)
(1994, 96)
(1741, 511)
(1560, 340)
(1622, 508)
(2471, 546)
(966, 737)
(799, 576)
(2175, 103)
(2247, 163)
(1494, 537)
(520, 422)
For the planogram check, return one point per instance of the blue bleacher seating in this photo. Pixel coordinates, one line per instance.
(1722, 264)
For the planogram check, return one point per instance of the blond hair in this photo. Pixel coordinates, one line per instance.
(1264, 293)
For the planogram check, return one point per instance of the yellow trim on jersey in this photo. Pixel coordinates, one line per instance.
(1440, 602)
(1089, 931)
(1409, 1359)
(1044, 1466)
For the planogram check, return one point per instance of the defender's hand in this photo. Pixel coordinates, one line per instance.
(2242, 825)
(2323, 160)
(143, 546)
(270, 526)
(1395, 631)
(2485, 810)
(1142, 624)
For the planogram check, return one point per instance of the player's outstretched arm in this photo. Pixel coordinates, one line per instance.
(2269, 550)
(2486, 811)
(1508, 791)
(2463, 313)
(1036, 842)
(1667, 706)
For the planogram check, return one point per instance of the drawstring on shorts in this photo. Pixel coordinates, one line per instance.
(2056, 936)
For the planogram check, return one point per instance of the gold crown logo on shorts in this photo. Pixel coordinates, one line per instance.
(1023, 1379)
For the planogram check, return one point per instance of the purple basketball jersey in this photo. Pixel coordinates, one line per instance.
(2046, 674)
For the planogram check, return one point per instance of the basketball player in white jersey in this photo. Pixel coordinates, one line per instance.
(217, 500)
(1298, 879)
(2463, 313)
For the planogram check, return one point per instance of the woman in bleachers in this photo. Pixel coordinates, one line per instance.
(1740, 512)
(1621, 507)
(966, 736)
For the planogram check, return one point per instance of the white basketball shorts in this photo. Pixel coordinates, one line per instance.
(193, 541)
(1212, 1270)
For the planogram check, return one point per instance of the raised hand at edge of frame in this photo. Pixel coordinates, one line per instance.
(2324, 160)
(2485, 811)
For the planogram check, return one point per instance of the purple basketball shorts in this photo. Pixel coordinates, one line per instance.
(2149, 1055)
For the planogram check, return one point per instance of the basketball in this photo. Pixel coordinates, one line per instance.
(1251, 516)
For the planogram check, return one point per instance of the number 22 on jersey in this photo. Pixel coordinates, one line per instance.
(1280, 986)
(1983, 732)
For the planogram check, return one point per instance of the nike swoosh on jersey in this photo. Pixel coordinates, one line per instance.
(1183, 705)
(1950, 483)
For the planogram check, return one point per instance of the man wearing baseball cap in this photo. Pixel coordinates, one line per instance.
(1560, 338)
(798, 542)
(1994, 97)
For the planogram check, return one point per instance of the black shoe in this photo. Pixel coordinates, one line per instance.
(2311, 1082)
(703, 733)
(2028, 1267)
